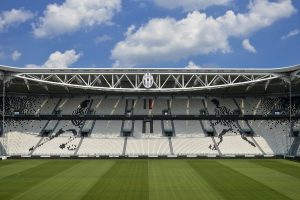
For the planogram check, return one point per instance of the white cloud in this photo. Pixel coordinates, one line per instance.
(262, 13)
(248, 46)
(168, 39)
(130, 30)
(290, 34)
(192, 65)
(102, 38)
(15, 56)
(59, 60)
(190, 4)
(73, 15)
(14, 17)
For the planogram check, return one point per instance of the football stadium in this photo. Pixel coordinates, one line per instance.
(115, 133)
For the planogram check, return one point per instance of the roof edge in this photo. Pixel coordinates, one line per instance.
(11, 69)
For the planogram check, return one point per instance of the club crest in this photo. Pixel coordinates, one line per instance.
(148, 80)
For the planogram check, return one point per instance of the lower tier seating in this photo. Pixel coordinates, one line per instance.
(101, 146)
(24, 138)
(152, 146)
(236, 145)
(193, 146)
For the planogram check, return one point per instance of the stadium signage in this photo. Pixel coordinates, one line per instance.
(148, 80)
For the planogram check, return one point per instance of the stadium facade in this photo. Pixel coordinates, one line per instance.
(150, 112)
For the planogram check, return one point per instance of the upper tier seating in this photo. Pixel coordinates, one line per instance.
(68, 106)
(25, 126)
(179, 106)
(188, 128)
(249, 106)
(47, 107)
(109, 106)
(220, 106)
(159, 105)
(114, 105)
(195, 106)
(67, 125)
(140, 109)
(230, 127)
(107, 128)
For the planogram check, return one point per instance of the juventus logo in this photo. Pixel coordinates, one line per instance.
(148, 80)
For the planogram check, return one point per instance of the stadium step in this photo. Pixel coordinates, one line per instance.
(250, 127)
(124, 146)
(93, 125)
(78, 146)
(2, 150)
(216, 145)
(294, 147)
(56, 106)
(257, 145)
(171, 146)
(237, 105)
(36, 146)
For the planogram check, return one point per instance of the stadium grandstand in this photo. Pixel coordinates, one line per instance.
(110, 112)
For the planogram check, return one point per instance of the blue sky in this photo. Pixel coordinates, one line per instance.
(149, 33)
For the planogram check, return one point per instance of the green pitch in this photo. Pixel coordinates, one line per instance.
(149, 179)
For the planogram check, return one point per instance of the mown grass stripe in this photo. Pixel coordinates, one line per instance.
(126, 179)
(176, 179)
(280, 182)
(18, 166)
(283, 167)
(148, 179)
(15, 184)
(69, 184)
(7, 162)
(231, 184)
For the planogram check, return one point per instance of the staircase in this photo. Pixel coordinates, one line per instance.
(171, 146)
(216, 146)
(211, 124)
(294, 147)
(78, 146)
(2, 150)
(124, 146)
(257, 145)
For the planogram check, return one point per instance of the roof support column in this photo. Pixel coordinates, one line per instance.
(3, 117)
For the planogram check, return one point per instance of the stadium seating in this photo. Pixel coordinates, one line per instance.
(101, 146)
(235, 145)
(147, 146)
(107, 128)
(188, 128)
(65, 144)
(47, 106)
(274, 133)
(104, 137)
(159, 105)
(109, 106)
(193, 146)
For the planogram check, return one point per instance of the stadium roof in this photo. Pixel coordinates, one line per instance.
(149, 79)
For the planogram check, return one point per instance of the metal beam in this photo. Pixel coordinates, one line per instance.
(167, 82)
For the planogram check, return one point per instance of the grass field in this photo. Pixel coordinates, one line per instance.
(149, 179)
